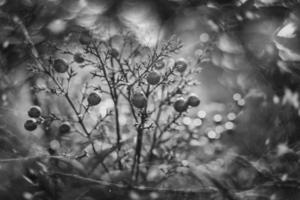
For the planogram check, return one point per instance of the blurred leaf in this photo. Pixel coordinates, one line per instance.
(291, 98)
(66, 164)
(223, 189)
(230, 44)
(117, 176)
(73, 193)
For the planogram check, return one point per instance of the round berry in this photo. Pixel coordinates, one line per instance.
(64, 128)
(160, 64)
(180, 105)
(30, 124)
(153, 78)
(78, 58)
(60, 66)
(51, 151)
(193, 100)
(34, 112)
(139, 100)
(85, 38)
(180, 65)
(114, 53)
(93, 99)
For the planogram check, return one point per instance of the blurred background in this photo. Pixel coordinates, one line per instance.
(249, 75)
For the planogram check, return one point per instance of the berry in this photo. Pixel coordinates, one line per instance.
(93, 99)
(159, 65)
(180, 105)
(153, 78)
(139, 100)
(64, 127)
(60, 66)
(114, 53)
(51, 151)
(78, 58)
(180, 65)
(30, 124)
(85, 38)
(34, 112)
(193, 100)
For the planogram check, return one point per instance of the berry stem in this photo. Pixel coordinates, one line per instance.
(39, 63)
(136, 160)
(113, 93)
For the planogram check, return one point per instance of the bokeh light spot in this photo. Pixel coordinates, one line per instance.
(201, 114)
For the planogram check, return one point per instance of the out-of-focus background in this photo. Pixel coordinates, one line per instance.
(250, 76)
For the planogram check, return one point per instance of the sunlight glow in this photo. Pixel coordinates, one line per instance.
(288, 31)
(57, 26)
(144, 22)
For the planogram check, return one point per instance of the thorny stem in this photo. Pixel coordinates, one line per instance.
(157, 138)
(157, 127)
(154, 136)
(115, 100)
(102, 67)
(128, 89)
(138, 148)
(113, 93)
(79, 118)
(140, 131)
(169, 124)
(143, 118)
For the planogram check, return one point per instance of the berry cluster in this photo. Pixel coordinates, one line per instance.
(181, 104)
(35, 113)
(36, 118)
(149, 81)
